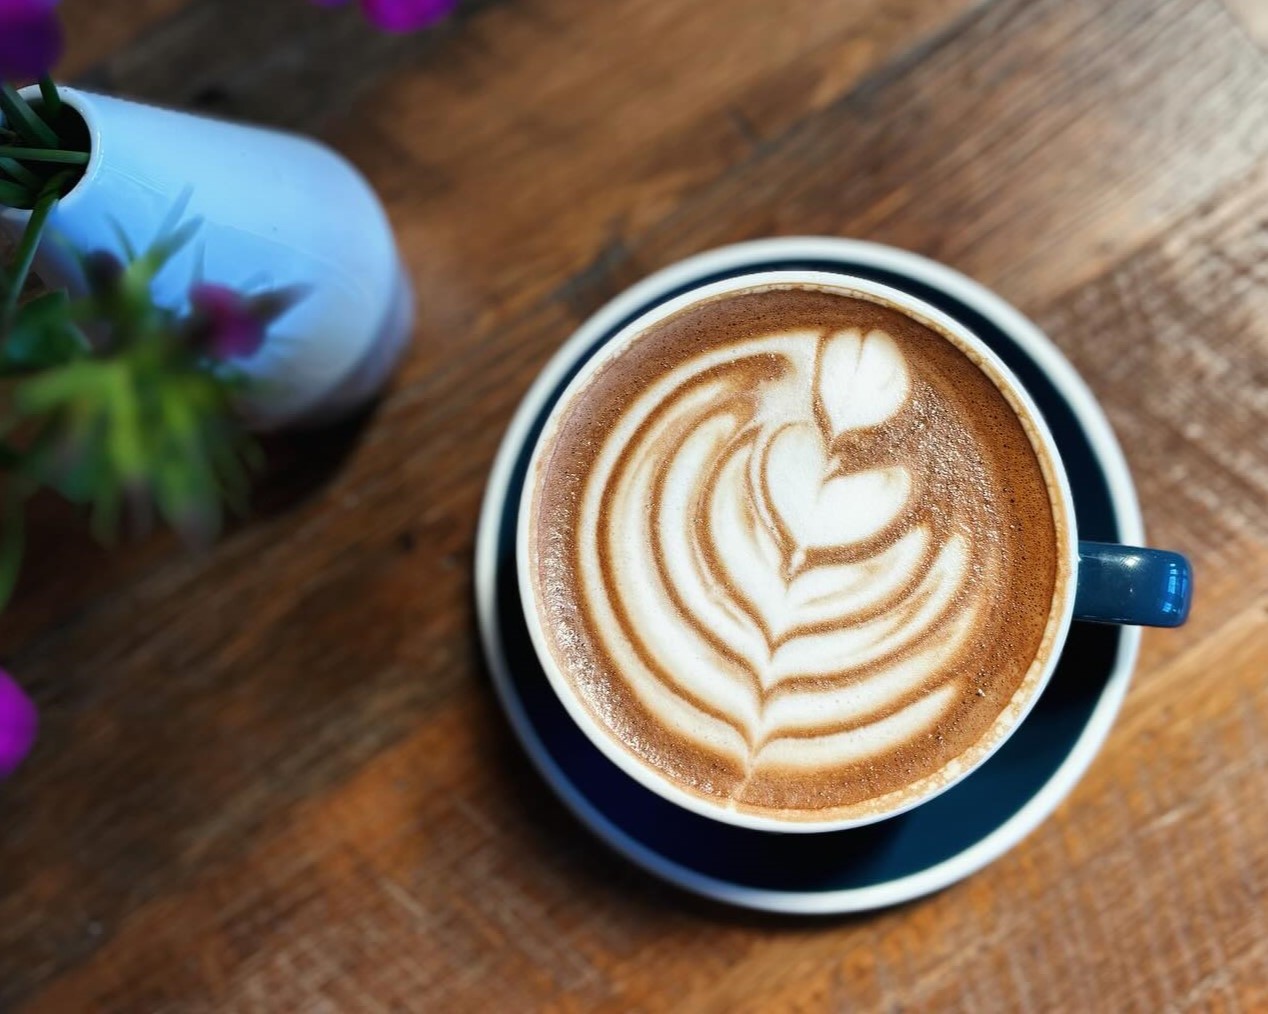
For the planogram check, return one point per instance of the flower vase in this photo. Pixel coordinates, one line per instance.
(275, 210)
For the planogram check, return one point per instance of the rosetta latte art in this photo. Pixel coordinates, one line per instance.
(769, 577)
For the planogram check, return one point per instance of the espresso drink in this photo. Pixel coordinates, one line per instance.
(797, 553)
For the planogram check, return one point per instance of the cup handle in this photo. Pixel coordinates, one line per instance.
(1129, 584)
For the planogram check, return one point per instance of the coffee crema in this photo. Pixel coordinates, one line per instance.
(796, 553)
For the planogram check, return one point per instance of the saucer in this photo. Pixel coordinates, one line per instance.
(920, 851)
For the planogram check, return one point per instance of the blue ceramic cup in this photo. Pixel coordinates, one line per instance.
(1131, 584)
(1099, 582)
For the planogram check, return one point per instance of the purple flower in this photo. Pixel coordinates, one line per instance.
(18, 723)
(30, 38)
(400, 15)
(226, 323)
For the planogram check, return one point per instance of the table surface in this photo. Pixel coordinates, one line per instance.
(274, 776)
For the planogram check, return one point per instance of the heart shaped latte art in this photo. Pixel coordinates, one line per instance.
(763, 587)
(816, 509)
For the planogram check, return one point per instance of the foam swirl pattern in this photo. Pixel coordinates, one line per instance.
(779, 571)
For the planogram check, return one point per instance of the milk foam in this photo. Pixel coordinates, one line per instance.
(795, 552)
(744, 572)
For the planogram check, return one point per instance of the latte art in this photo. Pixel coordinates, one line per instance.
(781, 565)
(731, 521)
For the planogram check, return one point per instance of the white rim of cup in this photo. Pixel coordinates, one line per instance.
(1001, 729)
(1073, 390)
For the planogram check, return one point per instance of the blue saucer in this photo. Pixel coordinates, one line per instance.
(902, 857)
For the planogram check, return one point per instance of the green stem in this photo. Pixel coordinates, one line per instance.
(20, 172)
(22, 119)
(52, 100)
(26, 252)
(44, 154)
(14, 196)
(12, 537)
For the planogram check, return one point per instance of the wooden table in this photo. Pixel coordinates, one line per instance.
(274, 777)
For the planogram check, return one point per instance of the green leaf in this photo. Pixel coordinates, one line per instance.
(42, 336)
(26, 250)
(78, 466)
(15, 196)
(186, 488)
(170, 243)
(125, 441)
(168, 227)
(45, 154)
(21, 117)
(33, 458)
(269, 306)
(125, 244)
(58, 388)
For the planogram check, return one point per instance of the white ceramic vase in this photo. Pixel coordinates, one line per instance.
(276, 210)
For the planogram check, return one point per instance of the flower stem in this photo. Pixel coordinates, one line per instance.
(11, 540)
(52, 100)
(26, 251)
(22, 119)
(44, 154)
(20, 173)
(14, 196)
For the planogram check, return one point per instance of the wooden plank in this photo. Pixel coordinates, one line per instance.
(1034, 149)
(1175, 343)
(94, 30)
(1253, 14)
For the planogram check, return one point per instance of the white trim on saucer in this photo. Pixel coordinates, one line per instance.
(1063, 375)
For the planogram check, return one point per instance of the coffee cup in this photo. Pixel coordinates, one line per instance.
(842, 544)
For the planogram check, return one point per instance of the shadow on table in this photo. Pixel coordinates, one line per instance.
(300, 463)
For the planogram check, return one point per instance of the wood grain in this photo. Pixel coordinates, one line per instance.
(273, 777)
(1253, 15)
